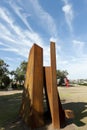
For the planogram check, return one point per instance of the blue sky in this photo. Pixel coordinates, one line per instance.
(24, 22)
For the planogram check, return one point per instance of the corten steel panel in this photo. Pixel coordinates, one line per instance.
(56, 98)
(25, 111)
(32, 105)
(38, 86)
(49, 91)
(47, 74)
(55, 103)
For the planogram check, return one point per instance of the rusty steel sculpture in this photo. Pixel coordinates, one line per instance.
(39, 77)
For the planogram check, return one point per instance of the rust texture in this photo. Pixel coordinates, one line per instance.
(37, 78)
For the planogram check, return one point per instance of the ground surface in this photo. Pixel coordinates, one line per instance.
(73, 98)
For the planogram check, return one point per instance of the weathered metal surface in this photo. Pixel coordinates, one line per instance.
(32, 106)
(57, 112)
(32, 102)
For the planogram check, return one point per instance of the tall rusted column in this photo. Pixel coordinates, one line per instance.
(57, 113)
(56, 98)
(55, 104)
(32, 103)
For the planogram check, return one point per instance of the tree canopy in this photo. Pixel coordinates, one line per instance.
(3, 68)
(4, 72)
(20, 71)
(62, 74)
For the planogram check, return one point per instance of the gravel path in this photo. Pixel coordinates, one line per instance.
(3, 93)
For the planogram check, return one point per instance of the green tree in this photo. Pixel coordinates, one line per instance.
(3, 68)
(61, 75)
(12, 73)
(20, 72)
(4, 72)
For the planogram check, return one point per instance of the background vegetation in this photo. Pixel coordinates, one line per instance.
(15, 78)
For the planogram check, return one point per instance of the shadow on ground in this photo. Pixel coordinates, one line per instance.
(80, 112)
(9, 108)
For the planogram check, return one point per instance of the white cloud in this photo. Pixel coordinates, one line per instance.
(78, 69)
(45, 21)
(69, 14)
(9, 49)
(4, 14)
(52, 39)
(1, 43)
(44, 18)
(79, 48)
(75, 64)
(16, 38)
(17, 9)
(65, 1)
(79, 44)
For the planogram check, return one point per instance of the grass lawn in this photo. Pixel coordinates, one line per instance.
(9, 108)
(73, 98)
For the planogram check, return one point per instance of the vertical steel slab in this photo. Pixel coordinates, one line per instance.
(32, 104)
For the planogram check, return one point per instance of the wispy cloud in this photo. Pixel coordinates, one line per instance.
(9, 49)
(69, 14)
(24, 22)
(77, 64)
(78, 69)
(19, 40)
(23, 16)
(1, 43)
(79, 45)
(46, 20)
(4, 14)
(14, 36)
